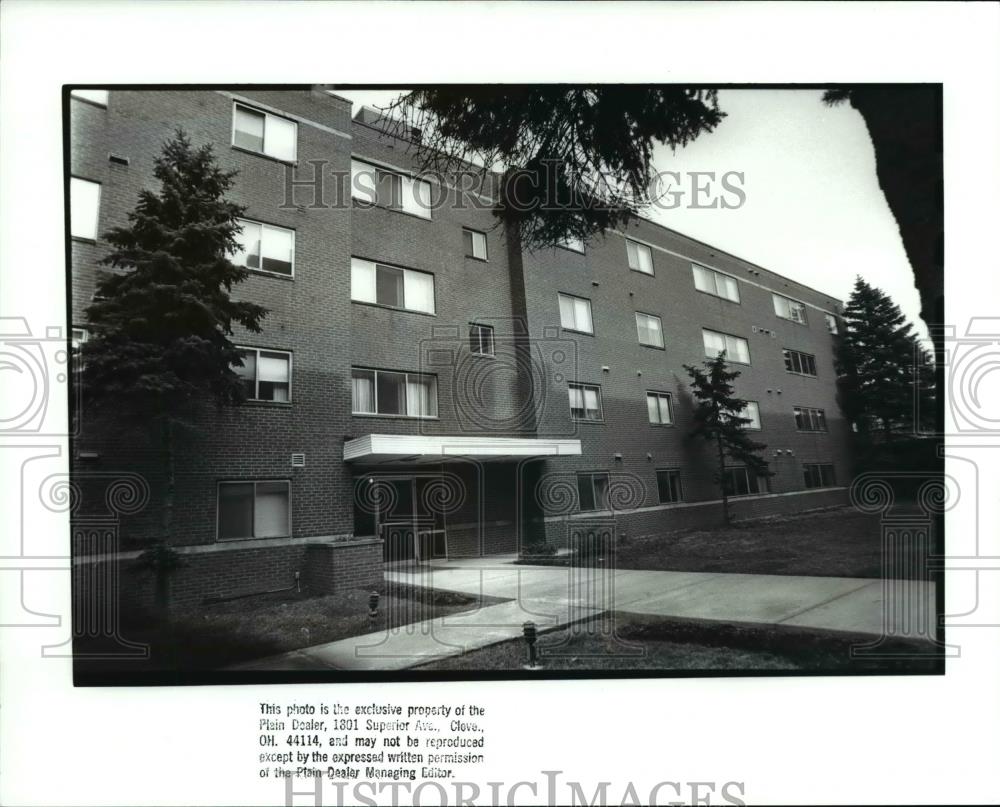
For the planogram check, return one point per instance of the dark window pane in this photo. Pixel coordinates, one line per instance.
(236, 510)
(467, 237)
(389, 286)
(585, 488)
(389, 190)
(391, 389)
(668, 484)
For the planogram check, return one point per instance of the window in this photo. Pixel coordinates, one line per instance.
(650, 330)
(712, 282)
(254, 510)
(391, 286)
(831, 324)
(266, 248)
(475, 244)
(585, 402)
(381, 392)
(266, 374)
(752, 411)
(99, 97)
(801, 363)
(809, 420)
(481, 340)
(744, 482)
(640, 257)
(389, 189)
(668, 483)
(84, 203)
(593, 490)
(789, 309)
(264, 133)
(736, 348)
(658, 405)
(574, 313)
(571, 243)
(77, 336)
(818, 475)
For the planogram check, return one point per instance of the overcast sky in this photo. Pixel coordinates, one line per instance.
(813, 209)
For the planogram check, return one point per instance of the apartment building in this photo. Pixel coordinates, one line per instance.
(423, 387)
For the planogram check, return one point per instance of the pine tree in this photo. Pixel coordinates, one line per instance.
(159, 327)
(884, 375)
(718, 418)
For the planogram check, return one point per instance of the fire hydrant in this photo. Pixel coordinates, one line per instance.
(531, 636)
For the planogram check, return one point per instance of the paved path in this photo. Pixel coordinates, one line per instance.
(556, 596)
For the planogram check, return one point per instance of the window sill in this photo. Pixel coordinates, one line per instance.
(730, 361)
(482, 355)
(804, 375)
(82, 240)
(293, 163)
(366, 205)
(812, 431)
(378, 416)
(640, 272)
(570, 249)
(253, 538)
(718, 297)
(573, 330)
(261, 402)
(477, 260)
(395, 308)
(592, 422)
(87, 101)
(793, 321)
(653, 347)
(265, 273)
(664, 425)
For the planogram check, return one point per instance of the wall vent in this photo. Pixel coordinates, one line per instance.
(298, 460)
(117, 160)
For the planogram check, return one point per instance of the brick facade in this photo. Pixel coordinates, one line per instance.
(519, 393)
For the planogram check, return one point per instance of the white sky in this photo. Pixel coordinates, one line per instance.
(813, 212)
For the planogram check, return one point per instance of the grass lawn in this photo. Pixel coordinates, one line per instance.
(829, 543)
(245, 629)
(639, 642)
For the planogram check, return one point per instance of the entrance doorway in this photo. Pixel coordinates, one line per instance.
(401, 516)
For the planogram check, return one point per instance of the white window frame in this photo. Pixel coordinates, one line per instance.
(95, 97)
(365, 291)
(256, 381)
(637, 248)
(265, 226)
(753, 415)
(787, 355)
(254, 482)
(73, 222)
(790, 309)
(414, 194)
(729, 351)
(572, 243)
(676, 474)
(831, 324)
(660, 396)
(267, 115)
(482, 239)
(639, 330)
(761, 482)
(406, 382)
(813, 417)
(714, 275)
(590, 475)
(807, 467)
(582, 388)
(476, 331)
(590, 313)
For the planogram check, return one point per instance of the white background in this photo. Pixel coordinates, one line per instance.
(833, 740)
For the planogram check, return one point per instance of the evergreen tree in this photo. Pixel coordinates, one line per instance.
(885, 377)
(718, 418)
(159, 346)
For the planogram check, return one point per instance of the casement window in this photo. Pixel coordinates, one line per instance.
(801, 363)
(736, 348)
(659, 409)
(266, 374)
(650, 329)
(481, 340)
(389, 189)
(265, 248)
(593, 491)
(751, 411)
(818, 475)
(715, 283)
(640, 257)
(574, 313)
(572, 243)
(585, 402)
(384, 392)
(391, 286)
(789, 309)
(264, 133)
(831, 324)
(668, 485)
(475, 244)
(808, 419)
(84, 204)
(258, 509)
(744, 482)
(77, 337)
(98, 97)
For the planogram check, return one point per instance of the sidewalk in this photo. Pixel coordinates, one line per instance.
(553, 596)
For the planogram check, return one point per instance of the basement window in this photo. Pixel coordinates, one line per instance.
(258, 509)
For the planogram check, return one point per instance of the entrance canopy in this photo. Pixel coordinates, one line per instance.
(373, 449)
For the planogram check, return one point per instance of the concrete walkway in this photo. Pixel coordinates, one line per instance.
(556, 596)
